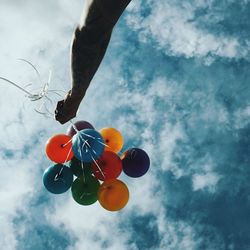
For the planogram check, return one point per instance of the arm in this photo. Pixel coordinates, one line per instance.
(89, 45)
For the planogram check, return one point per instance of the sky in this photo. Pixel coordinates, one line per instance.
(175, 82)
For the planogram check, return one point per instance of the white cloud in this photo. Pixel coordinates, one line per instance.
(39, 32)
(18, 186)
(46, 43)
(91, 225)
(173, 28)
(242, 117)
(205, 181)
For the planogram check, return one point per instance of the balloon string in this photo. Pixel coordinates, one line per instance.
(37, 72)
(58, 174)
(95, 138)
(104, 144)
(19, 87)
(83, 174)
(91, 136)
(74, 126)
(95, 160)
(67, 158)
(89, 151)
(43, 90)
(65, 144)
(97, 165)
(88, 148)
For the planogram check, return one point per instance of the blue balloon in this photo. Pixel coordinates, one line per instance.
(135, 162)
(58, 178)
(87, 145)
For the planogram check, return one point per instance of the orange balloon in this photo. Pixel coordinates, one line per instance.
(112, 138)
(113, 195)
(59, 148)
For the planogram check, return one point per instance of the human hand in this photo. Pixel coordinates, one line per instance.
(66, 109)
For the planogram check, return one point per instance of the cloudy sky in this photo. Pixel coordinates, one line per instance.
(175, 82)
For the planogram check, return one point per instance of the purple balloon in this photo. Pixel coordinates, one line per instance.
(80, 125)
(135, 162)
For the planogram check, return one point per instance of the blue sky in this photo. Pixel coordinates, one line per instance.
(175, 82)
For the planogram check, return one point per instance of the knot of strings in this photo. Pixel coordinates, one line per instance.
(40, 93)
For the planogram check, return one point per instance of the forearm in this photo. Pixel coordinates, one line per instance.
(88, 48)
(85, 59)
(91, 40)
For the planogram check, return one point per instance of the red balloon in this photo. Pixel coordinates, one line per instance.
(59, 148)
(110, 165)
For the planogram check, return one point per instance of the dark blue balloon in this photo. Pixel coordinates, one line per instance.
(135, 162)
(58, 178)
(87, 145)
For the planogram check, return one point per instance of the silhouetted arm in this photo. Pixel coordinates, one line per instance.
(89, 45)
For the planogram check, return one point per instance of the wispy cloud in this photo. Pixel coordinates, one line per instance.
(174, 27)
(175, 83)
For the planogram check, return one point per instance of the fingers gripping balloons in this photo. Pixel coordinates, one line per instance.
(92, 158)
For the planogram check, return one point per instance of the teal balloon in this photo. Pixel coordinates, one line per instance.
(80, 168)
(87, 145)
(58, 178)
(84, 191)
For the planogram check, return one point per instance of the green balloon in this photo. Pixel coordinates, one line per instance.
(84, 190)
(76, 166)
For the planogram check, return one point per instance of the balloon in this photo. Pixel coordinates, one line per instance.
(113, 195)
(112, 138)
(57, 178)
(59, 148)
(76, 167)
(80, 125)
(135, 162)
(84, 191)
(110, 165)
(87, 145)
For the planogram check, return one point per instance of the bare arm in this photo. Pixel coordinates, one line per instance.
(89, 45)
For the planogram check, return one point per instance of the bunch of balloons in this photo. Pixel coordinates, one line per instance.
(93, 158)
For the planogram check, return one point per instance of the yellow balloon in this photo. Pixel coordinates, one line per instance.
(113, 195)
(112, 138)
